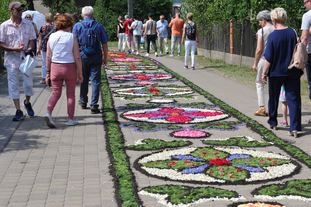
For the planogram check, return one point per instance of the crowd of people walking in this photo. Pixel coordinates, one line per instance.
(75, 51)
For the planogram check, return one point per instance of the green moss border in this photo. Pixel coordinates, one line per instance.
(125, 186)
(290, 188)
(266, 134)
(237, 141)
(180, 194)
(158, 144)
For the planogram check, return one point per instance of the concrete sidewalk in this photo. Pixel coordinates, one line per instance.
(238, 95)
(67, 166)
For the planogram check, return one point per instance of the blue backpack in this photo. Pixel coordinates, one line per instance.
(89, 40)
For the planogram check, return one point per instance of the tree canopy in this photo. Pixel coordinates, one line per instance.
(213, 11)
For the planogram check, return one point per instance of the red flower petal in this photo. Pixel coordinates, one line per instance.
(170, 110)
(144, 115)
(203, 113)
(218, 161)
(178, 119)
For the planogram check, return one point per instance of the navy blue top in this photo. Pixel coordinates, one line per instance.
(279, 51)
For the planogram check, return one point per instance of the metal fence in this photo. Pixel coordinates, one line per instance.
(219, 39)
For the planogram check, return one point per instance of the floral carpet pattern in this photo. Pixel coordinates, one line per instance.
(169, 149)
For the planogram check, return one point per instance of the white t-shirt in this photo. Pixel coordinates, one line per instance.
(265, 31)
(305, 25)
(61, 44)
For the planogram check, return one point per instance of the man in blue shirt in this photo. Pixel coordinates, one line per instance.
(92, 38)
(162, 30)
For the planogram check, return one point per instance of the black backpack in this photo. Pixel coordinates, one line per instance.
(191, 31)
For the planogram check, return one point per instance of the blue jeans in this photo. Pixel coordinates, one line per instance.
(91, 71)
(308, 70)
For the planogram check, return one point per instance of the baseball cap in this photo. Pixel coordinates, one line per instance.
(16, 5)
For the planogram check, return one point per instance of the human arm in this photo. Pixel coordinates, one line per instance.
(48, 64)
(183, 37)
(39, 43)
(258, 52)
(11, 49)
(305, 25)
(105, 53)
(265, 71)
(77, 57)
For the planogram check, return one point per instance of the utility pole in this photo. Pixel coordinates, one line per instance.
(130, 7)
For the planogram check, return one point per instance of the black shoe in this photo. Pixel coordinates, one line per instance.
(83, 105)
(19, 116)
(95, 111)
(29, 109)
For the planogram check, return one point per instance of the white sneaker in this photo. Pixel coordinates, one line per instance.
(147, 54)
(137, 53)
(49, 121)
(156, 54)
(171, 55)
(72, 122)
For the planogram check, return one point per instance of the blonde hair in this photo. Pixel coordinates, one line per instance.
(190, 16)
(279, 15)
(49, 17)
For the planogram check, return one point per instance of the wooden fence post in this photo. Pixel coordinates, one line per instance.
(231, 36)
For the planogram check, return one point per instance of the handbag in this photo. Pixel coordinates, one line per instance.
(300, 56)
(27, 66)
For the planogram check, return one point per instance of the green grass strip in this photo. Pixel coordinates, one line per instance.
(267, 134)
(290, 188)
(126, 189)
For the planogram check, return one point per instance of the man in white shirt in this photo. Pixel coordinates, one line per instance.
(17, 35)
(162, 30)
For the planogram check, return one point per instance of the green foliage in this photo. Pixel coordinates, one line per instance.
(4, 10)
(61, 6)
(210, 12)
(290, 188)
(157, 144)
(178, 194)
(237, 141)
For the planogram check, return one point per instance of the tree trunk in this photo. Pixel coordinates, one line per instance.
(241, 43)
(130, 7)
(30, 5)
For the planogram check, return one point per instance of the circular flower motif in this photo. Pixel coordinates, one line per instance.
(217, 165)
(189, 133)
(142, 77)
(170, 115)
(153, 91)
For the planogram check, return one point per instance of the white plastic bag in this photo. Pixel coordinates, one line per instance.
(27, 66)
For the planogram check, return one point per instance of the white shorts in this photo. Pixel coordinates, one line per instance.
(14, 76)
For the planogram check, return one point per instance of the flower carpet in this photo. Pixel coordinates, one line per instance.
(173, 144)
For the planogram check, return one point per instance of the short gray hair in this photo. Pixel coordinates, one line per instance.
(264, 15)
(87, 11)
(279, 15)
